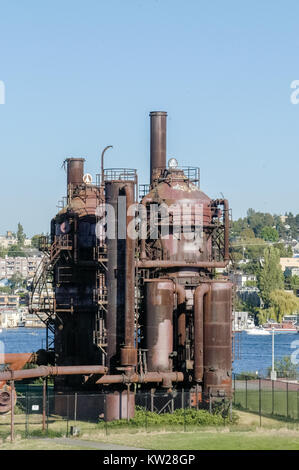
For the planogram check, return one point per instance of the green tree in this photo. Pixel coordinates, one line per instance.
(247, 233)
(283, 303)
(255, 249)
(270, 276)
(15, 251)
(269, 234)
(284, 368)
(291, 282)
(257, 220)
(265, 314)
(21, 236)
(35, 240)
(284, 251)
(3, 252)
(252, 267)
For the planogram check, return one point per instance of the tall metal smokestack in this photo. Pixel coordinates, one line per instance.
(158, 141)
(75, 171)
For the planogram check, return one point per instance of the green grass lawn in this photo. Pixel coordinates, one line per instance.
(245, 435)
(209, 440)
(279, 403)
(202, 440)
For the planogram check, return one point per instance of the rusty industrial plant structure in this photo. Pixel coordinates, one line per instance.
(136, 313)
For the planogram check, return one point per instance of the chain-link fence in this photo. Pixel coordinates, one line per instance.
(41, 412)
(86, 414)
(270, 398)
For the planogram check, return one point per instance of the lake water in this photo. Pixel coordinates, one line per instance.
(255, 351)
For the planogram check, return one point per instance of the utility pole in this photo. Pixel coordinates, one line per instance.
(273, 371)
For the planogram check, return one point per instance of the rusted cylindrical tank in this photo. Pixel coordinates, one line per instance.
(75, 171)
(190, 209)
(119, 405)
(159, 324)
(158, 141)
(218, 340)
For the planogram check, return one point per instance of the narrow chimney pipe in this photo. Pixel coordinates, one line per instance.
(158, 141)
(75, 171)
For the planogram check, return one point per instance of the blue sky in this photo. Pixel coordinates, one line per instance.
(83, 75)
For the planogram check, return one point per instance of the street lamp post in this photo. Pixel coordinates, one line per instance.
(273, 371)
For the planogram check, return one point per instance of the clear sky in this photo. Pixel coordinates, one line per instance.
(80, 75)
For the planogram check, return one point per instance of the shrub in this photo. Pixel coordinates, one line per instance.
(179, 417)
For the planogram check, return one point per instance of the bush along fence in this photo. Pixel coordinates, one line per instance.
(41, 412)
(270, 398)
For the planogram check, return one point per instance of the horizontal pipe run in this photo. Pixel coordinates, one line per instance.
(44, 371)
(181, 264)
(155, 377)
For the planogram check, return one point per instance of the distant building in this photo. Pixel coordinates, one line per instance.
(240, 320)
(22, 265)
(292, 271)
(289, 263)
(9, 318)
(250, 295)
(240, 280)
(9, 301)
(8, 240)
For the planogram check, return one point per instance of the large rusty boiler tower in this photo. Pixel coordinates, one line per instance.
(133, 271)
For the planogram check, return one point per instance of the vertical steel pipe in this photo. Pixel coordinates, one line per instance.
(181, 299)
(12, 411)
(199, 294)
(129, 352)
(115, 278)
(158, 141)
(44, 403)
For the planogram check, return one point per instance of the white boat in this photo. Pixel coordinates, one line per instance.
(257, 331)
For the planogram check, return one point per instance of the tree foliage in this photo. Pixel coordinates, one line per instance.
(270, 276)
(14, 251)
(283, 303)
(269, 234)
(21, 236)
(35, 241)
(257, 221)
(284, 251)
(284, 368)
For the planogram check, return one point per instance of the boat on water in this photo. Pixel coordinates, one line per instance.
(257, 331)
(283, 327)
